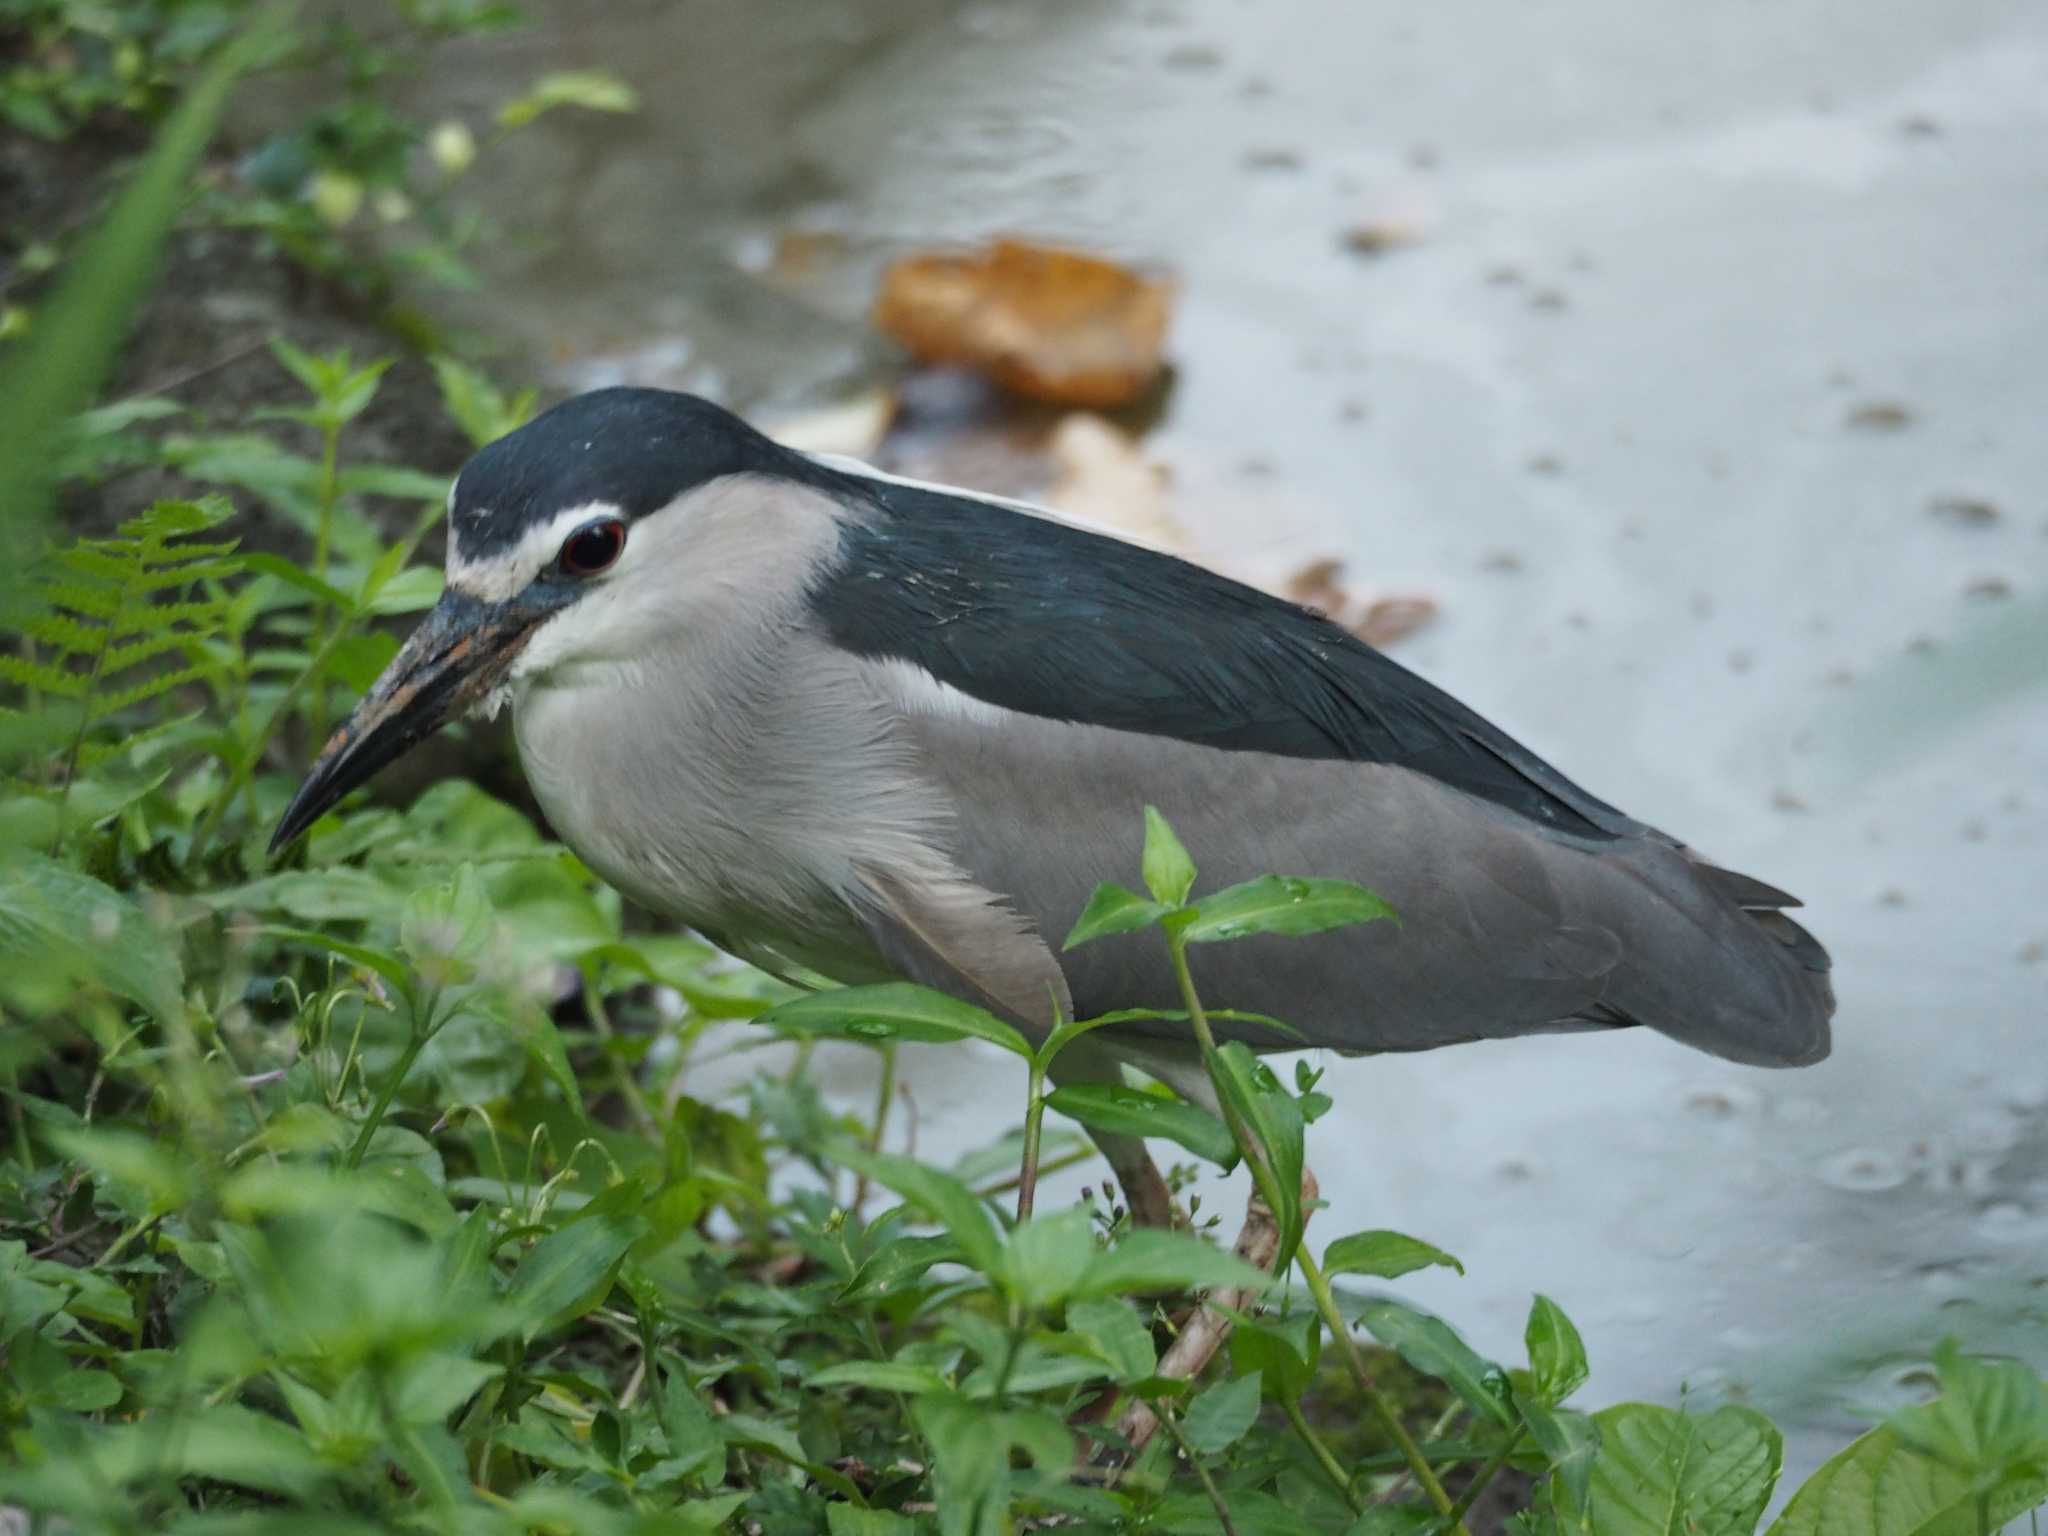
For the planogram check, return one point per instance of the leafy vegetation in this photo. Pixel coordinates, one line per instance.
(376, 1190)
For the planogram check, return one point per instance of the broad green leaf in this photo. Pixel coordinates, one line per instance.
(1388, 1255)
(159, 1171)
(1569, 1442)
(1434, 1348)
(1045, 1257)
(949, 1202)
(60, 926)
(1660, 1472)
(1151, 1260)
(879, 1376)
(1991, 1418)
(850, 1520)
(1283, 1350)
(1117, 1335)
(1877, 1486)
(971, 1472)
(1169, 872)
(1219, 1417)
(901, 1261)
(1557, 1355)
(1278, 904)
(1249, 1087)
(1134, 1112)
(892, 1011)
(1112, 909)
(569, 1271)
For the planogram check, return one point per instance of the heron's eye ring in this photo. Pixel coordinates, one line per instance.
(593, 547)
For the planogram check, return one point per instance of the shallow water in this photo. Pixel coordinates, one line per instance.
(1706, 307)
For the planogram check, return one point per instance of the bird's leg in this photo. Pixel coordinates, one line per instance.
(1205, 1332)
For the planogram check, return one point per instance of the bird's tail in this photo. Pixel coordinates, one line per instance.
(1760, 992)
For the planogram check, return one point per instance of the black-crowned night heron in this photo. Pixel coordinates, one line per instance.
(875, 729)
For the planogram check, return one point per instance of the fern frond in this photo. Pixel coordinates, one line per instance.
(153, 688)
(130, 653)
(93, 601)
(60, 631)
(42, 677)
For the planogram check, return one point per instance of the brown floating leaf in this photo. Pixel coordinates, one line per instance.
(1320, 585)
(1105, 479)
(1394, 618)
(1041, 322)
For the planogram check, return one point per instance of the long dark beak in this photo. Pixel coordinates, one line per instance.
(458, 654)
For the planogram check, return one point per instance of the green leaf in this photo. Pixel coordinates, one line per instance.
(971, 1472)
(1283, 1350)
(1150, 1260)
(894, 1010)
(1249, 1088)
(1116, 1335)
(1278, 904)
(1557, 1355)
(57, 925)
(1218, 1418)
(1388, 1255)
(879, 1376)
(53, 375)
(1169, 872)
(850, 1520)
(158, 1170)
(594, 90)
(1569, 1441)
(1434, 1348)
(949, 1202)
(1046, 1256)
(569, 1271)
(1112, 909)
(1134, 1112)
(1878, 1486)
(1660, 1472)
(1991, 1417)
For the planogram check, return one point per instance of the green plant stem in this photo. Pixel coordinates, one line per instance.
(1209, 1487)
(1034, 1124)
(1485, 1476)
(622, 1076)
(885, 1096)
(239, 775)
(1319, 1287)
(1332, 1469)
(1354, 1360)
(323, 535)
(1073, 1159)
(385, 1094)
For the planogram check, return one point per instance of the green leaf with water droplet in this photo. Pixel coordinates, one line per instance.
(1134, 1112)
(1112, 909)
(893, 1010)
(1433, 1347)
(1557, 1355)
(1278, 904)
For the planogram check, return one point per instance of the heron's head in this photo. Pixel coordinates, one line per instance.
(549, 529)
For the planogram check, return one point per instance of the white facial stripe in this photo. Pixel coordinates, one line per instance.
(497, 577)
(851, 466)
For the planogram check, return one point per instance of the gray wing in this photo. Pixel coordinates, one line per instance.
(1507, 928)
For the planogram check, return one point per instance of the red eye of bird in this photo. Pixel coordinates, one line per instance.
(593, 547)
